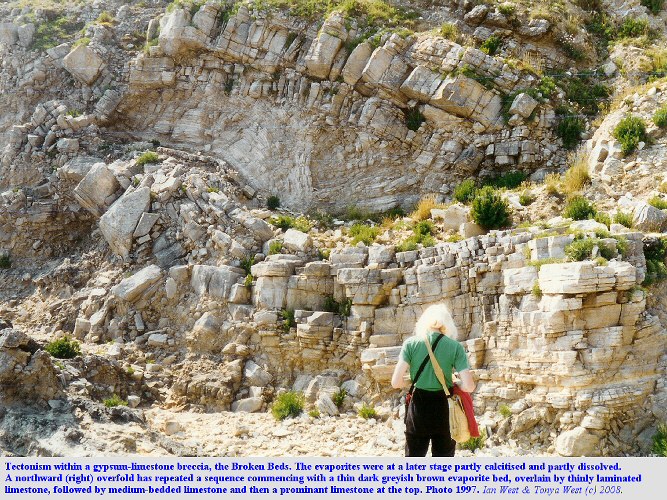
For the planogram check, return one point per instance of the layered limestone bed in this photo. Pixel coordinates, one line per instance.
(133, 219)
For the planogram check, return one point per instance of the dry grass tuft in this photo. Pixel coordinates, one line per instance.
(577, 175)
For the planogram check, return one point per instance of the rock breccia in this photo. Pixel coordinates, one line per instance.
(120, 221)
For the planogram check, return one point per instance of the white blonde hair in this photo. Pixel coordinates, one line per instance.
(435, 318)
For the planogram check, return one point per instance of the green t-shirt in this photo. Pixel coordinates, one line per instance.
(449, 353)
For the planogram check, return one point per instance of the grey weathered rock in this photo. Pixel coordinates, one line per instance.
(296, 240)
(523, 104)
(131, 288)
(255, 374)
(8, 33)
(248, 405)
(120, 221)
(577, 442)
(96, 189)
(77, 168)
(84, 64)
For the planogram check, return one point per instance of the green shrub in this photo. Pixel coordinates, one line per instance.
(584, 90)
(505, 411)
(580, 250)
(655, 6)
(632, 28)
(579, 208)
(323, 253)
(345, 308)
(491, 45)
(114, 401)
(569, 129)
(247, 282)
(547, 86)
(660, 117)
(272, 202)
(658, 202)
(414, 118)
(287, 319)
(602, 218)
(654, 253)
(507, 9)
(275, 247)
(315, 413)
(408, 245)
(247, 263)
(364, 233)
(465, 192)
(5, 261)
(489, 210)
(288, 404)
(286, 222)
(449, 31)
(622, 245)
(537, 291)
(339, 397)
(624, 219)
(105, 17)
(367, 411)
(526, 199)
(510, 180)
(474, 443)
(660, 441)
(423, 228)
(63, 348)
(147, 157)
(630, 131)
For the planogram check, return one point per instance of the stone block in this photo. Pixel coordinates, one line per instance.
(119, 222)
(84, 64)
(130, 289)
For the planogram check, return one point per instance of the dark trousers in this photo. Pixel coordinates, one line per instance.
(427, 421)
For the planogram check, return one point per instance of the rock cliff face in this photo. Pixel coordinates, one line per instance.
(133, 219)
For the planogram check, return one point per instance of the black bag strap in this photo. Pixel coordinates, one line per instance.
(423, 365)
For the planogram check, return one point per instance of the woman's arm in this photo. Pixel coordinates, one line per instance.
(397, 379)
(467, 383)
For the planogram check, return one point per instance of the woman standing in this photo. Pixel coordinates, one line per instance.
(427, 418)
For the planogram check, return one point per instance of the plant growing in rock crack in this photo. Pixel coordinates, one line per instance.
(5, 261)
(114, 401)
(505, 411)
(275, 247)
(625, 219)
(659, 447)
(288, 404)
(247, 282)
(287, 320)
(339, 397)
(536, 291)
(272, 202)
(63, 348)
(147, 157)
(247, 263)
(367, 411)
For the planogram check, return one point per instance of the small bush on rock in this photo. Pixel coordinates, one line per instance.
(5, 261)
(660, 117)
(114, 401)
(364, 233)
(147, 157)
(474, 443)
(624, 219)
(630, 131)
(288, 404)
(579, 208)
(272, 202)
(490, 210)
(655, 6)
(339, 397)
(491, 45)
(367, 411)
(660, 441)
(658, 202)
(569, 129)
(275, 247)
(465, 192)
(63, 348)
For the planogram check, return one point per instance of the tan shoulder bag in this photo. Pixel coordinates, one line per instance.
(458, 423)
